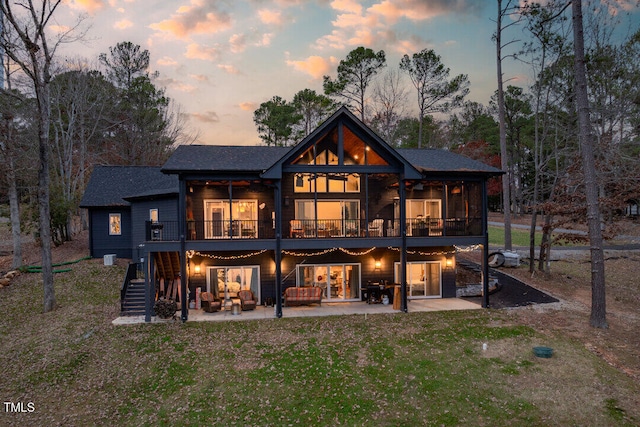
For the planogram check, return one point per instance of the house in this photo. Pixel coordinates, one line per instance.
(341, 210)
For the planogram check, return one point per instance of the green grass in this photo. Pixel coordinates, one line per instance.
(383, 370)
(519, 237)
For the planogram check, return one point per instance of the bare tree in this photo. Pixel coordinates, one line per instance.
(390, 104)
(8, 152)
(80, 102)
(506, 178)
(598, 317)
(26, 42)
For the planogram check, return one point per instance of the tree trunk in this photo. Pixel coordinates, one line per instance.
(504, 164)
(43, 195)
(14, 207)
(598, 317)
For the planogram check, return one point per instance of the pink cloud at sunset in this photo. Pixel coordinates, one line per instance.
(89, 6)
(198, 18)
(196, 51)
(315, 66)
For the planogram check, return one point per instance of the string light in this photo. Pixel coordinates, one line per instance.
(326, 251)
(191, 253)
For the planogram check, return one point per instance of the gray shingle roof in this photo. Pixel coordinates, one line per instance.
(238, 158)
(435, 160)
(256, 158)
(109, 185)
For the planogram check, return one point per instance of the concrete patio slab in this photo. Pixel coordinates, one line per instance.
(326, 309)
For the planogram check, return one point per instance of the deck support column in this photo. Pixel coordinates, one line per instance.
(182, 220)
(149, 282)
(403, 250)
(278, 251)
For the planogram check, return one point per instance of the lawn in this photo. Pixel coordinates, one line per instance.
(76, 368)
(519, 237)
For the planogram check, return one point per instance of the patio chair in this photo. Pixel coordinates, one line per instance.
(375, 227)
(295, 228)
(247, 300)
(210, 303)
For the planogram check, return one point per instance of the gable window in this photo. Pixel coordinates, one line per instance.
(115, 224)
(326, 183)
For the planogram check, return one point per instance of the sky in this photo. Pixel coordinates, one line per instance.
(220, 59)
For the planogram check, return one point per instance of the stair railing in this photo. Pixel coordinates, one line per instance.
(132, 273)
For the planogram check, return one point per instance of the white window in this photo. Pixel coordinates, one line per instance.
(153, 215)
(115, 224)
(424, 279)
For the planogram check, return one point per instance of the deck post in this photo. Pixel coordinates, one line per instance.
(148, 283)
(278, 251)
(403, 251)
(182, 217)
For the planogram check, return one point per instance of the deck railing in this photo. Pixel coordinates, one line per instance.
(315, 229)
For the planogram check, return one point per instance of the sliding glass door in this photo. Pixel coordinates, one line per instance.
(329, 218)
(238, 219)
(423, 279)
(339, 282)
(225, 282)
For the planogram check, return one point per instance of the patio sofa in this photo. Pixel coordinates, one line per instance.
(302, 295)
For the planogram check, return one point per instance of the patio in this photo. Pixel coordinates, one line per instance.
(326, 309)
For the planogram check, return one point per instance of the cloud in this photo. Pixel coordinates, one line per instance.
(355, 26)
(229, 69)
(265, 40)
(59, 29)
(248, 106)
(200, 77)
(123, 24)
(196, 51)
(91, 6)
(167, 61)
(200, 17)
(315, 66)
(238, 43)
(350, 6)
(420, 10)
(206, 117)
(271, 17)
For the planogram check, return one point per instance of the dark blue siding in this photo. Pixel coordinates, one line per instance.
(167, 211)
(101, 242)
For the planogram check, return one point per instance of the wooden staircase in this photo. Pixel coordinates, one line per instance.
(134, 299)
(168, 266)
